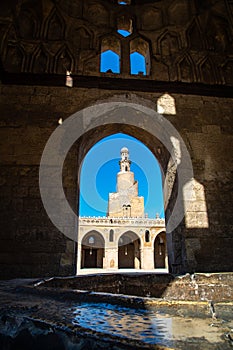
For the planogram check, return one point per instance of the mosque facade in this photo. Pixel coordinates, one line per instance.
(126, 238)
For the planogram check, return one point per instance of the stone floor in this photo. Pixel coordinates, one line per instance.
(34, 318)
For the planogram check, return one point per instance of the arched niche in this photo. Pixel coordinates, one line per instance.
(129, 251)
(186, 70)
(140, 47)
(124, 25)
(55, 26)
(40, 60)
(92, 250)
(110, 55)
(168, 44)
(14, 59)
(63, 61)
(160, 251)
(28, 24)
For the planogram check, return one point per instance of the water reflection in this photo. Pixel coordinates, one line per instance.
(136, 324)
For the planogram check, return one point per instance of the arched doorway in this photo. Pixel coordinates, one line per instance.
(129, 251)
(92, 251)
(160, 251)
(83, 129)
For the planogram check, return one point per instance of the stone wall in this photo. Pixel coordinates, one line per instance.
(32, 246)
(181, 41)
(189, 55)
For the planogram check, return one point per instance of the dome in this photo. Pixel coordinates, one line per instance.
(124, 149)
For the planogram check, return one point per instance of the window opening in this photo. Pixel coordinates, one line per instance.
(110, 55)
(125, 2)
(137, 64)
(124, 26)
(110, 62)
(111, 235)
(139, 57)
(147, 236)
(91, 240)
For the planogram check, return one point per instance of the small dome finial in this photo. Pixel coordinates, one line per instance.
(124, 150)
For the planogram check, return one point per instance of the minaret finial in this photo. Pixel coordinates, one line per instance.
(124, 162)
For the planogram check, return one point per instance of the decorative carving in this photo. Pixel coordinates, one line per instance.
(227, 71)
(55, 26)
(168, 44)
(207, 73)
(40, 60)
(63, 61)
(194, 36)
(111, 42)
(82, 38)
(97, 14)
(152, 19)
(185, 69)
(27, 25)
(71, 8)
(91, 66)
(160, 71)
(14, 58)
(217, 33)
(12, 34)
(178, 12)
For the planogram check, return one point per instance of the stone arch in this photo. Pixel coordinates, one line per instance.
(186, 70)
(92, 250)
(178, 12)
(195, 36)
(129, 246)
(28, 24)
(54, 26)
(227, 71)
(207, 71)
(64, 61)
(168, 44)
(71, 8)
(90, 125)
(160, 250)
(151, 18)
(15, 58)
(83, 37)
(125, 22)
(111, 44)
(12, 34)
(97, 13)
(142, 46)
(40, 60)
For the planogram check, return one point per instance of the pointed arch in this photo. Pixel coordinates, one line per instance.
(64, 60)
(186, 70)
(195, 36)
(83, 38)
(92, 250)
(28, 24)
(110, 54)
(160, 250)
(124, 25)
(168, 43)
(227, 71)
(40, 60)
(129, 251)
(54, 28)
(140, 60)
(207, 71)
(14, 58)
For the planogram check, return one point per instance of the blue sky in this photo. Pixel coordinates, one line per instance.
(99, 172)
